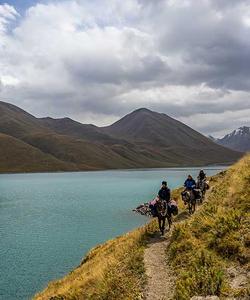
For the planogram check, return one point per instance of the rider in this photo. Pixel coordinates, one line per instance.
(190, 185)
(164, 193)
(201, 176)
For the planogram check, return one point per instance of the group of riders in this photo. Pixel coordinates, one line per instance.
(194, 191)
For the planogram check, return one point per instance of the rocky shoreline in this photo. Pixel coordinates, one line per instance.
(143, 209)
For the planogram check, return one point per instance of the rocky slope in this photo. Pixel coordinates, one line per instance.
(238, 140)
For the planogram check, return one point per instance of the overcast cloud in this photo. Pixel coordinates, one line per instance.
(95, 61)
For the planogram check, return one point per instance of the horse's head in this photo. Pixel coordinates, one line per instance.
(161, 207)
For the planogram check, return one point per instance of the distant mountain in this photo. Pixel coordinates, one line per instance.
(212, 138)
(142, 138)
(238, 140)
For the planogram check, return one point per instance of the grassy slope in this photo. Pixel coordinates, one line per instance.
(205, 246)
(17, 156)
(110, 271)
(143, 140)
(201, 248)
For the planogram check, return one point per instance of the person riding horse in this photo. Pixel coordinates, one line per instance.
(202, 175)
(164, 192)
(202, 183)
(162, 206)
(190, 183)
(190, 186)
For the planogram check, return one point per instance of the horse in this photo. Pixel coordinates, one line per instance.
(163, 213)
(202, 185)
(188, 197)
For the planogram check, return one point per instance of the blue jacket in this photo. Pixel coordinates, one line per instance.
(190, 184)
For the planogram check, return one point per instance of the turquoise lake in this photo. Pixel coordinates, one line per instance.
(49, 221)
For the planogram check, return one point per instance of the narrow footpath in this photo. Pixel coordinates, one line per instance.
(160, 284)
(160, 277)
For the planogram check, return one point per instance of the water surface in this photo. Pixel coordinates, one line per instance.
(49, 221)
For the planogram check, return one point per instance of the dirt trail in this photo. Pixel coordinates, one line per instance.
(160, 277)
(160, 283)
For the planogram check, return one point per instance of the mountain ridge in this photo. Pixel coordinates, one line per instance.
(238, 139)
(141, 139)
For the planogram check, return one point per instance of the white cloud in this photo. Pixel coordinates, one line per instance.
(7, 15)
(97, 60)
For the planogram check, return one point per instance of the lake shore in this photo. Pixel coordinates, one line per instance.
(117, 269)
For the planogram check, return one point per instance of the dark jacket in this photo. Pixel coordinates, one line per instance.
(164, 194)
(201, 176)
(189, 184)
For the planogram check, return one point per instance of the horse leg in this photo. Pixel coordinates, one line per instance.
(190, 206)
(163, 225)
(193, 205)
(159, 222)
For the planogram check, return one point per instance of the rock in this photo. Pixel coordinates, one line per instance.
(143, 209)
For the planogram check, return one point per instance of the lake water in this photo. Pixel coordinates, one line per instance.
(49, 221)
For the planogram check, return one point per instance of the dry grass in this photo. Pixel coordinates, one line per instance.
(201, 250)
(217, 236)
(113, 270)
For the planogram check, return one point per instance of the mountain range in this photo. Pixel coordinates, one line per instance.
(238, 140)
(141, 139)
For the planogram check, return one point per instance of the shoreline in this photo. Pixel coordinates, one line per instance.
(117, 267)
(141, 233)
(176, 168)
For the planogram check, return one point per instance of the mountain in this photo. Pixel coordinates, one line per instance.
(238, 140)
(142, 138)
(161, 134)
(17, 156)
(212, 138)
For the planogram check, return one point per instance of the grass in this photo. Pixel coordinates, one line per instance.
(216, 237)
(114, 270)
(201, 250)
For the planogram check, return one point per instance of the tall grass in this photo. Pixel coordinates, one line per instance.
(203, 247)
(114, 270)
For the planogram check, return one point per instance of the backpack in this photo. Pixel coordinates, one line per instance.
(153, 207)
(173, 207)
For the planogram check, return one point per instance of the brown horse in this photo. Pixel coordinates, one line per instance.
(163, 213)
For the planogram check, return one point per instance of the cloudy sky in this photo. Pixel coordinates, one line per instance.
(96, 60)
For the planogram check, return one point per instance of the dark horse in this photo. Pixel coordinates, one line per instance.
(188, 197)
(203, 186)
(163, 213)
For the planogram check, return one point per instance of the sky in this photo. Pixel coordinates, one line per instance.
(97, 60)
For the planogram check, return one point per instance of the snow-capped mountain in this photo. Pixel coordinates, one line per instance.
(239, 139)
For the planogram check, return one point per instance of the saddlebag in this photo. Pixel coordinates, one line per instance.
(173, 207)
